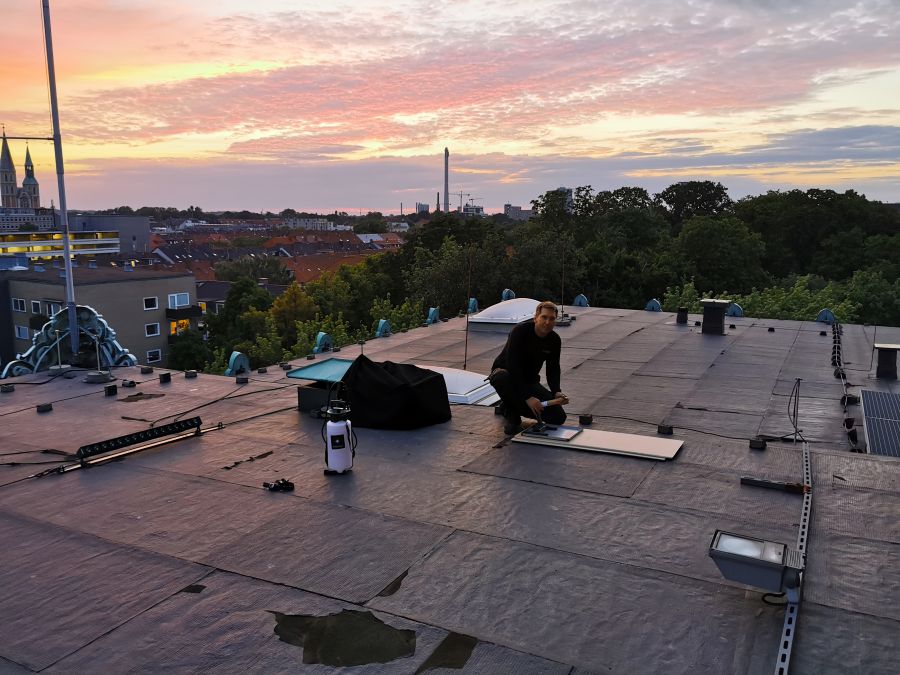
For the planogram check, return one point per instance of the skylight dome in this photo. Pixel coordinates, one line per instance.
(510, 312)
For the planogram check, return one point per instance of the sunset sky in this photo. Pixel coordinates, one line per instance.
(348, 104)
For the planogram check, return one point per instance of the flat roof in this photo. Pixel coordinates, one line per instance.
(451, 544)
(84, 275)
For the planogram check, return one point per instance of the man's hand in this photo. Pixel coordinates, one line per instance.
(535, 404)
(565, 399)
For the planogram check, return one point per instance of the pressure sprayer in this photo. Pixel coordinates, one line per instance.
(339, 438)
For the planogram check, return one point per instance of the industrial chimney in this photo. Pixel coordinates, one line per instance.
(446, 180)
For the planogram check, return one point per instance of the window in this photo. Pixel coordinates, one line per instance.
(53, 308)
(202, 307)
(23, 333)
(151, 329)
(151, 303)
(154, 355)
(18, 304)
(35, 306)
(177, 327)
(177, 300)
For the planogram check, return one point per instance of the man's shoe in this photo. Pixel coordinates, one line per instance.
(511, 428)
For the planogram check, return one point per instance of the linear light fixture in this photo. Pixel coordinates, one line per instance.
(144, 436)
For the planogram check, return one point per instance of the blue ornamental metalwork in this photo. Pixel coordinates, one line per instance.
(52, 346)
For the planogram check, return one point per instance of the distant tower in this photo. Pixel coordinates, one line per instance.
(446, 181)
(30, 194)
(437, 206)
(8, 185)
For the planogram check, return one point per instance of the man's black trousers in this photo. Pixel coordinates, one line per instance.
(514, 405)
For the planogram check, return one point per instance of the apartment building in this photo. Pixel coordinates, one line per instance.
(144, 305)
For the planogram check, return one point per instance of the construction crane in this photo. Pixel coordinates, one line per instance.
(461, 195)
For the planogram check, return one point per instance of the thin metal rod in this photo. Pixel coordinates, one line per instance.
(30, 138)
(562, 283)
(468, 296)
(60, 179)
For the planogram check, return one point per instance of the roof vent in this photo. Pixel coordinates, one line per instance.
(825, 316)
(714, 316)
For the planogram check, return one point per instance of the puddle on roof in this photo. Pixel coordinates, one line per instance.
(453, 652)
(350, 638)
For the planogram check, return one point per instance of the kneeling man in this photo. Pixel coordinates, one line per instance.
(516, 372)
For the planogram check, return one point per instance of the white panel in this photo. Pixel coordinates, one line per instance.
(608, 441)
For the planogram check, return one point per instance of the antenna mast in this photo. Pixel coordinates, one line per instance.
(60, 179)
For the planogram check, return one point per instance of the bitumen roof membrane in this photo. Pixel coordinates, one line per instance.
(449, 549)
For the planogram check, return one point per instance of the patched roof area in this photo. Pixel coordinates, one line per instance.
(452, 548)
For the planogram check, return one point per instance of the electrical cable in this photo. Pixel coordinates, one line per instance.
(19, 452)
(766, 598)
(793, 402)
(653, 424)
(229, 396)
(27, 463)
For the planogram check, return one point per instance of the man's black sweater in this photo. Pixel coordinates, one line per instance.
(525, 353)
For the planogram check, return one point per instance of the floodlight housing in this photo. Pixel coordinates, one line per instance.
(764, 564)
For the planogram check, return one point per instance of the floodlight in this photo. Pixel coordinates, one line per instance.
(769, 565)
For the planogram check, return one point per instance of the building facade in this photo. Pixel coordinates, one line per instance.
(22, 219)
(145, 306)
(133, 231)
(38, 246)
(516, 212)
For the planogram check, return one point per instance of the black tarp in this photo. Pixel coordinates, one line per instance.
(390, 395)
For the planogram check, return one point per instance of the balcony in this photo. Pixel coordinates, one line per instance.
(184, 313)
(37, 321)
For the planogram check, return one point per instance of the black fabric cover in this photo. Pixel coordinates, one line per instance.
(391, 395)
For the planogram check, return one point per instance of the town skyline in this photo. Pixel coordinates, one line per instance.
(349, 108)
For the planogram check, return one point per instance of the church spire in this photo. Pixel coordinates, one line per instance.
(29, 165)
(8, 184)
(30, 194)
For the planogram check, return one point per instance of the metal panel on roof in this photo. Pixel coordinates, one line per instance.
(882, 422)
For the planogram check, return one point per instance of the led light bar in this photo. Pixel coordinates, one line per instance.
(144, 436)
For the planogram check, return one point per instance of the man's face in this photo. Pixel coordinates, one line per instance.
(544, 322)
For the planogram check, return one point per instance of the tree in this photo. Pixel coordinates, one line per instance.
(721, 253)
(334, 326)
(330, 292)
(264, 348)
(243, 296)
(683, 201)
(408, 314)
(255, 268)
(188, 351)
(877, 298)
(288, 308)
(372, 222)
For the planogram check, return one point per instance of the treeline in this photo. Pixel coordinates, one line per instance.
(781, 254)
